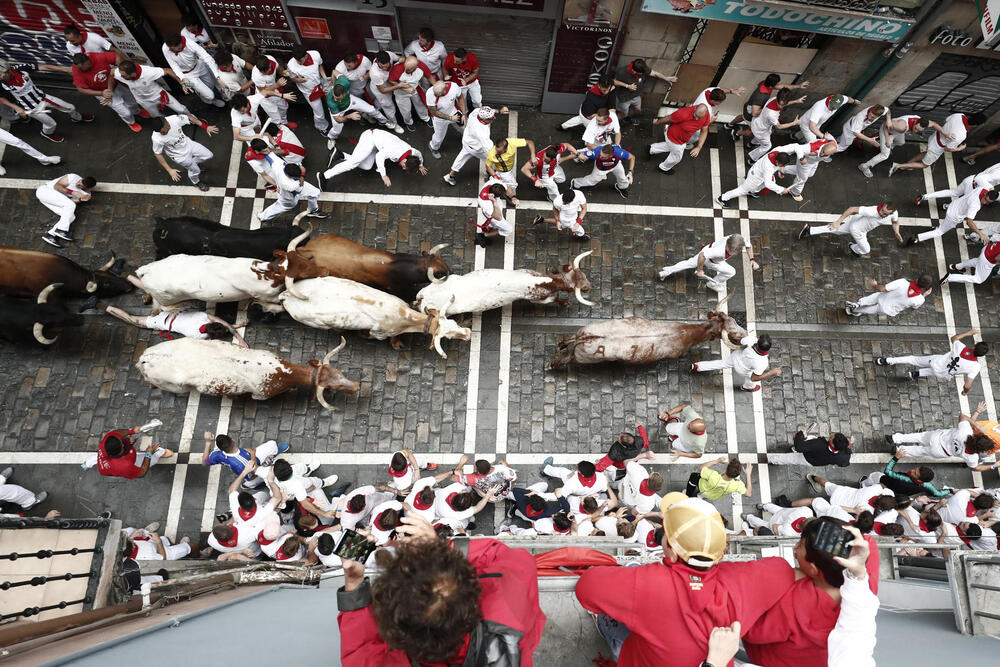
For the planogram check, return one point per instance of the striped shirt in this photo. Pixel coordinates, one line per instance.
(22, 88)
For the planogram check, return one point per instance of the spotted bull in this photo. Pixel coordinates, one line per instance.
(25, 273)
(186, 235)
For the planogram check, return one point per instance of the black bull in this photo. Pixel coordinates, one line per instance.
(23, 320)
(186, 235)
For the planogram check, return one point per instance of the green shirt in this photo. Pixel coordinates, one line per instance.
(335, 106)
(713, 487)
(695, 442)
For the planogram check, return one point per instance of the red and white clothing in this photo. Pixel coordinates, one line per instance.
(443, 509)
(858, 225)
(818, 114)
(244, 537)
(406, 102)
(549, 172)
(180, 148)
(762, 125)
(378, 531)
(446, 103)
(193, 65)
(330, 560)
(856, 124)
(61, 204)
(402, 481)
(476, 141)
(921, 534)
(807, 159)
(349, 519)
(275, 107)
(982, 266)
(787, 520)
(380, 77)
(290, 191)
(413, 500)
(744, 362)
(432, 56)
(849, 496)
(600, 134)
(34, 100)
(760, 176)
(234, 78)
(645, 534)
(678, 133)
(575, 484)
(461, 74)
(188, 323)
(201, 36)
(986, 542)
(278, 554)
(148, 92)
(96, 78)
(374, 149)
(569, 212)
(899, 295)
(290, 145)
(957, 125)
(889, 138)
(823, 507)
(959, 360)
(715, 260)
(143, 548)
(362, 65)
(92, 43)
(489, 209)
(940, 443)
(313, 89)
(959, 508)
(635, 491)
(129, 464)
(17, 495)
(9, 139)
(965, 207)
(249, 122)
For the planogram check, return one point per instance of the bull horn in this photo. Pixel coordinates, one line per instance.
(431, 277)
(581, 299)
(39, 331)
(43, 296)
(301, 237)
(576, 262)
(329, 355)
(724, 337)
(719, 305)
(437, 347)
(109, 264)
(439, 247)
(322, 399)
(289, 287)
(91, 286)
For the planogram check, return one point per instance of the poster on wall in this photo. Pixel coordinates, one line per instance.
(116, 30)
(32, 32)
(953, 84)
(584, 44)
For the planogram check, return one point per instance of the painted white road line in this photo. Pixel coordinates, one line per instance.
(476, 344)
(503, 380)
(180, 471)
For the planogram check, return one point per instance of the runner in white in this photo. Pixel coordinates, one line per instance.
(285, 144)
(949, 138)
(603, 129)
(892, 298)
(292, 186)
(374, 148)
(344, 107)
(446, 105)
(90, 76)
(760, 176)
(194, 67)
(356, 68)
(61, 195)
(854, 128)
(545, 167)
(749, 362)
(568, 211)
(305, 69)
(429, 52)
(893, 133)
(784, 521)
(188, 323)
(960, 360)
(195, 31)
(966, 441)
(9, 139)
(713, 256)
(381, 90)
(31, 101)
(964, 209)
(607, 162)
(143, 82)
(84, 41)
(243, 113)
(858, 221)
(811, 122)
(808, 156)
(769, 119)
(476, 141)
(185, 152)
(492, 220)
(18, 495)
(404, 80)
(269, 77)
(233, 74)
(982, 265)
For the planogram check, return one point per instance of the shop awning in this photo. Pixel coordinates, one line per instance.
(787, 16)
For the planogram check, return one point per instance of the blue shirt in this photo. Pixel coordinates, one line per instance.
(237, 462)
(605, 163)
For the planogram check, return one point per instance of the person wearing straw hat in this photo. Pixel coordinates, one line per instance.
(690, 587)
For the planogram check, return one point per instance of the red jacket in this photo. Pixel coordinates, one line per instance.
(671, 608)
(511, 599)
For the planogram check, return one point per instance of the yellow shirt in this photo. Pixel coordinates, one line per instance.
(505, 161)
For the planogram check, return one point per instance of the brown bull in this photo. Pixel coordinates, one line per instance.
(329, 255)
(25, 273)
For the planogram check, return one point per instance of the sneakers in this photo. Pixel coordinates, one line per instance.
(804, 232)
(40, 498)
(167, 453)
(436, 154)
(733, 132)
(864, 169)
(750, 391)
(581, 237)
(623, 192)
(547, 462)
(693, 369)
(54, 138)
(538, 219)
(431, 466)
(52, 159)
(331, 143)
(918, 200)
(410, 127)
(450, 180)
(84, 118)
(663, 275)
(330, 480)
(51, 240)
(152, 527)
(144, 114)
(943, 279)
(753, 195)
(62, 235)
(204, 187)
(759, 507)
(812, 427)
(716, 285)
(880, 361)
(953, 268)
(817, 487)
(320, 181)
(911, 240)
(318, 214)
(482, 240)
(721, 202)
(668, 172)
(969, 160)
(893, 169)
(914, 375)
(793, 196)
(392, 126)
(224, 517)
(944, 207)
(7, 472)
(888, 439)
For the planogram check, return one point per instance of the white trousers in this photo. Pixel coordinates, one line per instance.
(45, 118)
(276, 108)
(508, 178)
(723, 271)
(802, 173)
(925, 446)
(870, 305)
(597, 176)
(982, 269)
(318, 106)
(172, 551)
(720, 364)
(18, 495)
(762, 145)
(960, 190)
(123, 104)
(675, 152)
(152, 107)
(949, 223)
(808, 136)
(288, 200)
(362, 107)
(59, 204)
(752, 183)
(464, 156)
(9, 139)
(406, 103)
(193, 163)
(872, 479)
(384, 102)
(203, 82)
(860, 245)
(822, 507)
(792, 459)
(473, 95)
(578, 119)
(922, 362)
(885, 149)
(363, 156)
(552, 184)
(558, 472)
(440, 130)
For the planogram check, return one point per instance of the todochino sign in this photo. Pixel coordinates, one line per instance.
(791, 18)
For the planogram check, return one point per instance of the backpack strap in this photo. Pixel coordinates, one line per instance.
(461, 545)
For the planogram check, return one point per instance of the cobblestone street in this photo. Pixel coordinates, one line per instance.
(492, 395)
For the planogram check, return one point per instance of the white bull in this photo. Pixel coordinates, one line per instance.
(494, 288)
(174, 280)
(338, 303)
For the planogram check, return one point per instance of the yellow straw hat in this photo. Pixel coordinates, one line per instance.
(694, 529)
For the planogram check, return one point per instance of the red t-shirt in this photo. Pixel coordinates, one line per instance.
(95, 78)
(470, 65)
(991, 251)
(683, 125)
(120, 466)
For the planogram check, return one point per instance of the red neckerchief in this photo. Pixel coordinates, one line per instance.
(358, 60)
(251, 154)
(451, 496)
(773, 157)
(16, 78)
(531, 512)
(378, 521)
(428, 47)
(644, 488)
(913, 290)
(271, 66)
(965, 122)
(403, 157)
(829, 445)
(280, 554)
(797, 524)
(817, 146)
(183, 43)
(263, 540)
(135, 548)
(421, 506)
(970, 510)
(399, 474)
(138, 72)
(197, 32)
(587, 481)
(556, 528)
(632, 72)
(878, 528)
(595, 89)
(764, 88)
(961, 534)
(232, 541)
(827, 101)
(871, 501)
(484, 194)
(773, 105)
(982, 194)
(923, 526)
(307, 61)
(651, 540)
(967, 353)
(762, 354)
(246, 514)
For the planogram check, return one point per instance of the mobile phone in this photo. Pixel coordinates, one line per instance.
(833, 539)
(355, 546)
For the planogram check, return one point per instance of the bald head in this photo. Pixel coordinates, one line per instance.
(410, 63)
(697, 426)
(439, 88)
(700, 110)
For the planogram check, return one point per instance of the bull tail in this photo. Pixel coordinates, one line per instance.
(564, 353)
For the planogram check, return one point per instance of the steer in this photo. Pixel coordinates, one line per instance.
(26, 273)
(336, 303)
(195, 236)
(494, 288)
(221, 368)
(177, 279)
(22, 320)
(399, 274)
(634, 340)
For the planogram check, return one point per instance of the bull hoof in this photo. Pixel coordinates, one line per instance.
(396, 343)
(146, 299)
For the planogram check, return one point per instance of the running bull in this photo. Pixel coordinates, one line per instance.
(23, 320)
(25, 273)
(175, 280)
(194, 236)
(220, 368)
(337, 303)
(634, 340)
(494, 288)
(399, 274)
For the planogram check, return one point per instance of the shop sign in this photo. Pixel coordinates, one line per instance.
(518, 5)
(945, 36)
(116, 30)
(313, 28)
(784, 16)
(989, 12)
(581, 55)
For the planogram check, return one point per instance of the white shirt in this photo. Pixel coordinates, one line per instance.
(263, 79)
(476, 137)
(966, 206)
(765, 170)
(955, 510)
(175, 144)
(350, 519)
(952, 364)
(867, 218)
(571, 211)
(602, 134)
(309, 72)
(747, 362)
(390, 147)
(246, 538)
(644, 534)
(852, 642)
(72, 184)
(988, 178)
(234, 80)
(988, 541)
(632, 496)
(573, 486)
(382, 536)
(332, 560)
(786, 517)
(446, 103)
(187, 323)
(146, 87)
(896, 298)
(766, 119)
(201, 38)
(433, 57)
(918, 535)
(444, 511)
(907, 119)
(357, 75)
(951, 442)
(380, 77)
(703, 99)
(818, 113)
(93, 43)
(188, 59)
(716, 250)
(248, 123)
(860, 121)
(848, 496)
(955, 126)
